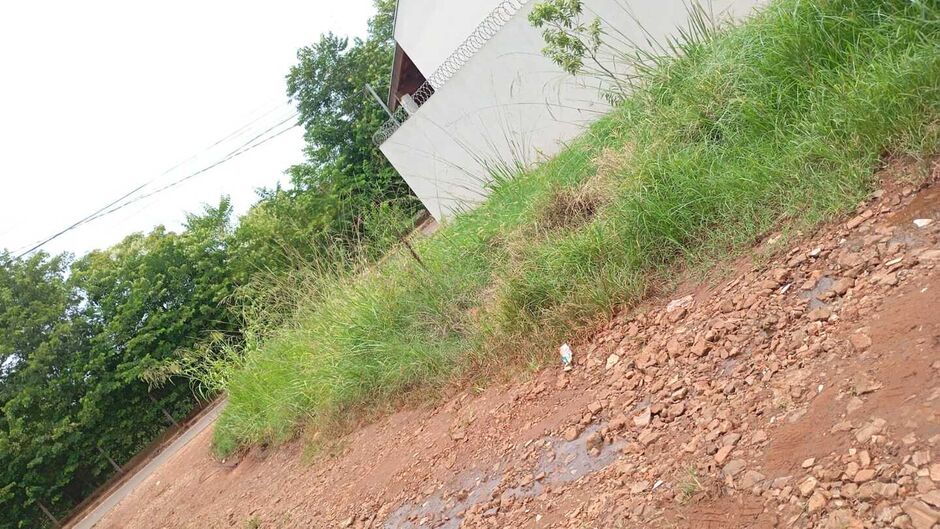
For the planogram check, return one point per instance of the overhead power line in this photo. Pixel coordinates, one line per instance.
(247, 146)
(127, 198)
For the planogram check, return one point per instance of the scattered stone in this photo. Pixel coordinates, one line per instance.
(890, 279)
(866, 385)
(571, 433)
(843, 519)
(733, 467)
(807, 486)
(680, 303)
(723, 453)
(677, 315)
(612, 360)
(643, 419)
(816, 501)
(595, 407)
(922, 515)
(751, 478)
(820, 314)
(841, 426)
(677, 409)
(700, 348)
(932, 498)
(842, 286)
(921, 458)
(860, 342)
(808, 463)
(595, 441)
(619, 422)
(855, 222)
(865, 433)
(647, 437)
(854, 404)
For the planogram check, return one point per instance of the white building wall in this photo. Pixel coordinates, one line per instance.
(509, 104)
(429, 30)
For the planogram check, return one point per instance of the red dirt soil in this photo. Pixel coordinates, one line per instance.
(803, 392)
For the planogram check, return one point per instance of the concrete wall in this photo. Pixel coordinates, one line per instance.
(429, 30)
(509, 104)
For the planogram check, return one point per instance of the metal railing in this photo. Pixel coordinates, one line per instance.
(486, 30)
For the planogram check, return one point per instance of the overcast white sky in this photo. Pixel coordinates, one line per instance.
(98, 97)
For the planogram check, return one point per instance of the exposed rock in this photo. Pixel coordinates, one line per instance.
(619, 422)
(595, 441)
(860, 342)
(932, 498)
(864, 434)
(816, 501)
(643, 418)
(612, 361)
(807, 486)
(722, 454)
(733, 467)
(843, 519)
(921, 458)
(922, 515)
(571, 433)
(647, 437)
(751, 478)
(819, 314)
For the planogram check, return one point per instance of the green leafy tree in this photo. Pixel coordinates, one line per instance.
(570, 41)
(339, 119)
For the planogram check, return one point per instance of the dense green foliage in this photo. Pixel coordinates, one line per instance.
(98, 352)
(778, 123)
(331, 202)
(77, 338)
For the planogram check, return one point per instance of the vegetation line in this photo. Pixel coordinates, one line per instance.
(779, 121)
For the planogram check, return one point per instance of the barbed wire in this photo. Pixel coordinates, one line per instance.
(485, 31)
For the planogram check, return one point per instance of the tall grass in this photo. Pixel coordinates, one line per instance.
(781, 120)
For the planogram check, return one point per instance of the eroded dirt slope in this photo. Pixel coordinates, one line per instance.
(801, 393)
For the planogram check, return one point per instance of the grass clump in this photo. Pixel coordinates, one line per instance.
(781, 120)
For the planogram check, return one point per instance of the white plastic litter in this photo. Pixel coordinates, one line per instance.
(923, 223)
(566, 356)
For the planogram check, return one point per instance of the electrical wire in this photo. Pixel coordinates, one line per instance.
(122, 201)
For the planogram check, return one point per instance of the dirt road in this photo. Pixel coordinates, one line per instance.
(90, 519)
(798, 390)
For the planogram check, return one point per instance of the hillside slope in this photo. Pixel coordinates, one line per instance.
(799, 389)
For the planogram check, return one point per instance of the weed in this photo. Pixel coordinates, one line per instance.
(776, 125)
(690, 485)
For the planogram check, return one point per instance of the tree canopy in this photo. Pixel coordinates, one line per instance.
(85, 342)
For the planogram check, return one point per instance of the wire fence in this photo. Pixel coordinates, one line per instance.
(485, 31)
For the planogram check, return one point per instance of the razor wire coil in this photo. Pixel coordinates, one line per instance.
(485, 31)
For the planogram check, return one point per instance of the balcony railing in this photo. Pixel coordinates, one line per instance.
(486, 30)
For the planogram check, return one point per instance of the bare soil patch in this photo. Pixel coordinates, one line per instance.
(803, 392)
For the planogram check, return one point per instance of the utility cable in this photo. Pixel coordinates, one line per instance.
(117, 204)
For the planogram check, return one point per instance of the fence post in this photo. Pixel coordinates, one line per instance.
(48, 514)
(165, 413)
(117, 467)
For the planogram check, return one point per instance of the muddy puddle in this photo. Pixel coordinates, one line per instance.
(560, 462)
(822, 285)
